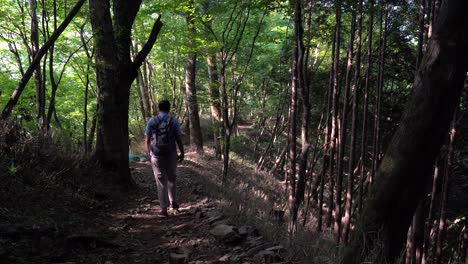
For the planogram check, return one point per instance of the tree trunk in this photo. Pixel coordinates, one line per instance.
(326, 140)
(380, 84)
(352, 154)
(412, 151)
(196, 139)
(416, 238)
(438, 258)
(38, 83)
(215, 104)
(343, 131)
(213, 75)
(366, 107)
(300, 84)
(115, 73)
(334, 126)
(422, 12)
(430, 216)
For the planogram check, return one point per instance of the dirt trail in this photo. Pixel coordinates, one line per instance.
(75, 221)
(132, 232)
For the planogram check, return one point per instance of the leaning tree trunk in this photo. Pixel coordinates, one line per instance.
(407, 164)
(416, 238)
(115, 73)
(37, 59)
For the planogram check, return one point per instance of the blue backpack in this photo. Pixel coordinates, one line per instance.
(162, 136)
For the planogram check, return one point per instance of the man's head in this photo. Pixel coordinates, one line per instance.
(164, 106)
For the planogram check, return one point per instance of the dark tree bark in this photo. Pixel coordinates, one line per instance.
(37, 59)
(115, 73)
(411, 153)
(415, 240)
(422, 12)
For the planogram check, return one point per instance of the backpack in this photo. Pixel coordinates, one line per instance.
(162, 136)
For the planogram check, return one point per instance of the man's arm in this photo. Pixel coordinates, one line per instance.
(148, 145)
(180, 158)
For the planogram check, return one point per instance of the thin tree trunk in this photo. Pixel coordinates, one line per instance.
(326, 140)
(438, 258)
(422, 12)
(430, 217)
(298, 84)
(215, 104)
(418, 227)
(380, 83)
(92, 130)
(343, 131)
(38, 83)
(366, 107)
(334, 127)
(352, 154)
(436, 94)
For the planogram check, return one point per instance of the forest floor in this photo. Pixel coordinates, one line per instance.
(112, 227)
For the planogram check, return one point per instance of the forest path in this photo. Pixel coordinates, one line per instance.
(132, 232)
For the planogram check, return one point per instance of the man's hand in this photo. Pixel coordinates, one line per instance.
(180, 158)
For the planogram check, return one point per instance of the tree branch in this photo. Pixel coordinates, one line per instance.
(37, 59)
(141, 56)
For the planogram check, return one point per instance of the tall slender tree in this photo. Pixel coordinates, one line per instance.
(352, 154)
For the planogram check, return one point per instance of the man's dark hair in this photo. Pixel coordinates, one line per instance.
(164, 106)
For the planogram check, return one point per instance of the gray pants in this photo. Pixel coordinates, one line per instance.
(164, 170)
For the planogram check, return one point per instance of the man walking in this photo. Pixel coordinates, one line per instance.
(162, 134)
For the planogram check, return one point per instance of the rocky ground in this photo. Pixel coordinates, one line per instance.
(126, 229)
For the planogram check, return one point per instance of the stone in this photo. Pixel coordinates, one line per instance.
(226, 234)
(175, 258)
(225, 258)
(264, 257)
(199, 216)
(248, 231)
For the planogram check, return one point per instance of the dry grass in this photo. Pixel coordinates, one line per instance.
(249, 197)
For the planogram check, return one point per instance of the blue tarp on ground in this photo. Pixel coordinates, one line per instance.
(133, 157)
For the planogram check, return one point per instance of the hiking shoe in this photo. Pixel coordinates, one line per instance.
(174, 206)
(163, 213)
